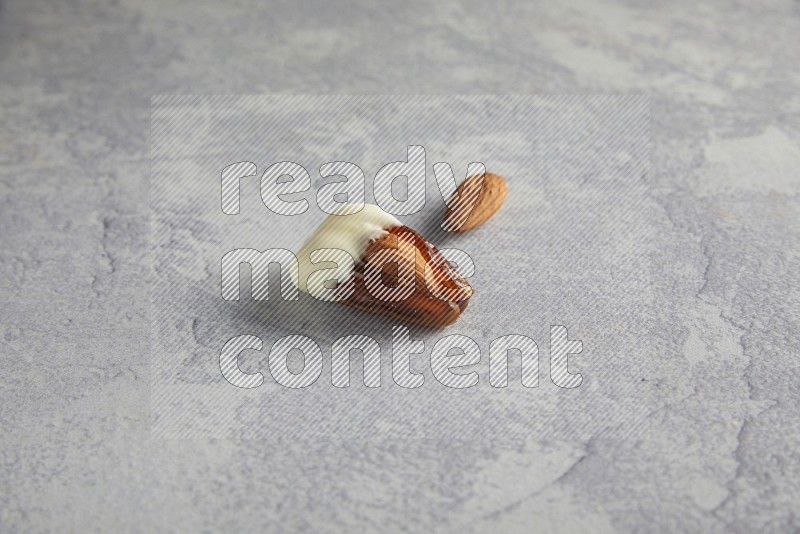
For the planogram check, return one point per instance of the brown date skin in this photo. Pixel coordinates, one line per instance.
(439, 297)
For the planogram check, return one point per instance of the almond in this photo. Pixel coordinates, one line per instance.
(464, 212)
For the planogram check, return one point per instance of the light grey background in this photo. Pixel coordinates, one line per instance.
(75, 85)
(572, 246)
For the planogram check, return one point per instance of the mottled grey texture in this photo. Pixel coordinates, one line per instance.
(721, 348)
(572, 246)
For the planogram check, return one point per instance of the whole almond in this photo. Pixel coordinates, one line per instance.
(461, 216)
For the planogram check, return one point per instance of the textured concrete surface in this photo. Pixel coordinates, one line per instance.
(572, 246)
(721, 348)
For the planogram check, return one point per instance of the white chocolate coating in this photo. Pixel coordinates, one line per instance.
(350, 233)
